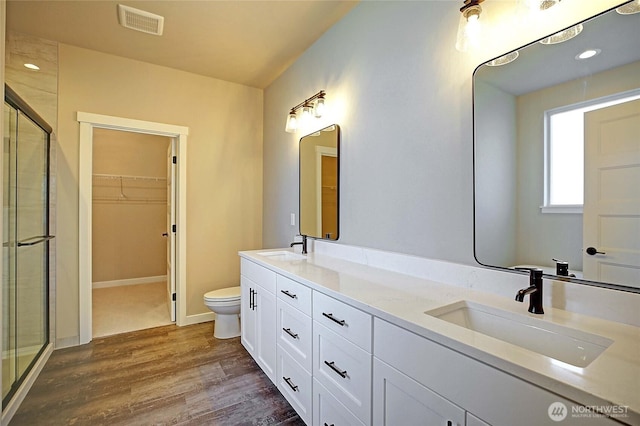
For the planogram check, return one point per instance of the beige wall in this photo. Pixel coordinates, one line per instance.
(224, 163)
(129, 215)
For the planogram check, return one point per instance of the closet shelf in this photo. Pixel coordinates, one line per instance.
(129, 200)
(126, 177)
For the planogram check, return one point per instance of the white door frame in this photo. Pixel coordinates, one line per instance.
(88, 122)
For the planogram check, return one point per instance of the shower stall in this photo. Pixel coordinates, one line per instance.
(25, 245)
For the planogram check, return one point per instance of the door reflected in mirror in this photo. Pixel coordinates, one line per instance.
(320, 183)
(532, 167)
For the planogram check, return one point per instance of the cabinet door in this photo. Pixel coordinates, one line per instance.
(265, 307)
(247, 316)
(400, 400)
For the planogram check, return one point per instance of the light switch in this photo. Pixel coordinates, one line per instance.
(293, 219)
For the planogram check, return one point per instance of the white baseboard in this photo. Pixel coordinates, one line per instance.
(67, 342)
(198, 318)
(129, 281)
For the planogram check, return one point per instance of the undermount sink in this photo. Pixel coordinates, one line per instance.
(564, 344)
(282, 255)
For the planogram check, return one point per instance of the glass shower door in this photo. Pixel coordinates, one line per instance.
(26, 238)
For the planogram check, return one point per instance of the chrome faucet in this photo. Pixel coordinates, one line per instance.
(534, 290)
(303, 243)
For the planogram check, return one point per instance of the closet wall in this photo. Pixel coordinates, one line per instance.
(129, 206)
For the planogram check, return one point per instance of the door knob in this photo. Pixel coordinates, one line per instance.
(592, 251)
(164, 234)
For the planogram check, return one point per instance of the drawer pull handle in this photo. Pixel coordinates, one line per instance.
(290, 333)
(325, 424)
(286, 292)
(291, 385)
(334, 319)
(341, 373)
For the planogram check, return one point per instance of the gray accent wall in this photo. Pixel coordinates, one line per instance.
(402, 95)
(404, 107)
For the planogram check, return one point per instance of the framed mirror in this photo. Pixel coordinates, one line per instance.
(557, 154)
(320, 183)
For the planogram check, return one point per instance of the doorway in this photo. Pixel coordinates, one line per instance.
(130, 232)
(177, 233)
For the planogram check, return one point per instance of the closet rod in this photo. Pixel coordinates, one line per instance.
(116, 177)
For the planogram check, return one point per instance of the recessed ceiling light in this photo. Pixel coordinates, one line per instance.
(589, 53)
(32, 67)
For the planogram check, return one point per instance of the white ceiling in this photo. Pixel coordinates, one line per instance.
(540, 66)
(246, 42)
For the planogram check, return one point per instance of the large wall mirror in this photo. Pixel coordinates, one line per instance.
(320, 183)
(557, 154)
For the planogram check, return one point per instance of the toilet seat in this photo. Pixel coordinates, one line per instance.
(229, 294)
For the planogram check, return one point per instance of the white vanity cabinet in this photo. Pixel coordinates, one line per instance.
(342, 353)
(338, 365)
(294, 379)
(412, 371)
(258, 315)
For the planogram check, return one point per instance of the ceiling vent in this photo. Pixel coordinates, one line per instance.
(140, 20)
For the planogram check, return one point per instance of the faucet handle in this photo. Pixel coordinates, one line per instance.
(535, 274)
(562, 267)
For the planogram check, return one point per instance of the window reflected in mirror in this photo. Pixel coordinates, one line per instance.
(557, 159)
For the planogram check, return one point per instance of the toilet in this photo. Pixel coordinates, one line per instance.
(226, 305)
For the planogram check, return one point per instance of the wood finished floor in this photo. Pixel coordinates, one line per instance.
(161, 376)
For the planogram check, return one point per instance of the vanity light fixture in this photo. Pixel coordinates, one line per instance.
(33, 67)
(540, 5)
(564, 35)
(504, 59)
(311, 107)
(469, 25)
(629, 8)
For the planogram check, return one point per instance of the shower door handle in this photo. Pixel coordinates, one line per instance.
(32, 241)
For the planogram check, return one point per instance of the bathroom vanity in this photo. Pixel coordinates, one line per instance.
(351, 342)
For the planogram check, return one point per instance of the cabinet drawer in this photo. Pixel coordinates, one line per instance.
(295, 384)
(347, 321)
(328, 411)
(344, 369)
(294, 334)
(296, 294)
(258, 274)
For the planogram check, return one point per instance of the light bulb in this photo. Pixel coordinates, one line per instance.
(318, 110)
(469, 28)
(292, 123)
(306, 115)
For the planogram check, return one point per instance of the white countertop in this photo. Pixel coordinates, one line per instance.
(611, 379)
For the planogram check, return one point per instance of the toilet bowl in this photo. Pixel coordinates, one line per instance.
(226, 305)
